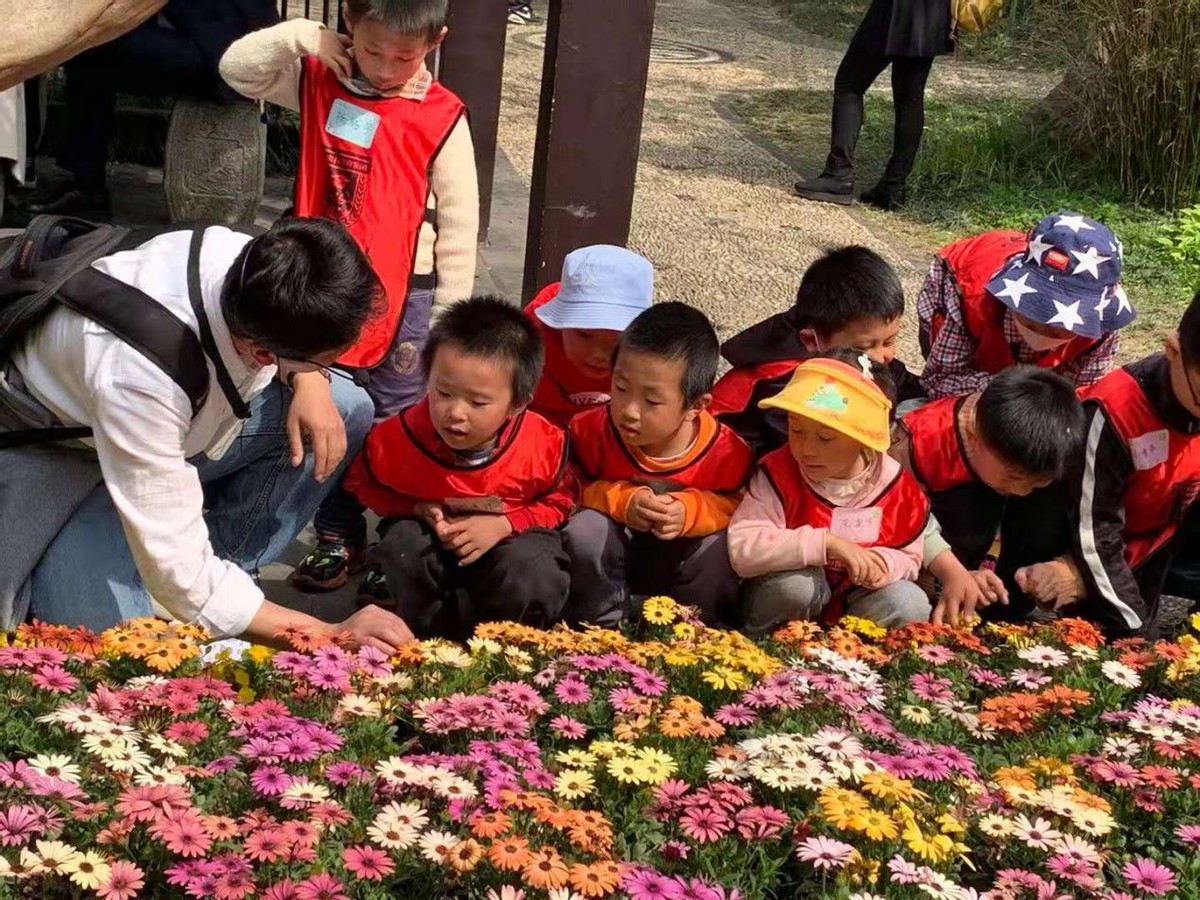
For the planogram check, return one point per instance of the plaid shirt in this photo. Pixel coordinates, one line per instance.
(950, 370)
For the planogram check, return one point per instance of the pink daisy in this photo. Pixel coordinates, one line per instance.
(646, 884)
(367, 862)
(736, 715)
(824, 853)
(320, 887)
(703, 824)
(1189, 834)
(573, 690)
(124, 882)
(572, 729)
(55, 679)
(1149, 877)
(270, 781)
(186, 732)
(281, 890)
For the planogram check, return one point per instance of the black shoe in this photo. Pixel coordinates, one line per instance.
(888, 197)
(327, 566)
(69, 200)
(826, 189)
(520, 13)
(373, 590)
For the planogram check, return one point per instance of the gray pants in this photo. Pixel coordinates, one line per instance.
(770, 601)
(610, 565)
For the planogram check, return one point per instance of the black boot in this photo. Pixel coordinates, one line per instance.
(888, 196)
(71, 200)
(826, 189)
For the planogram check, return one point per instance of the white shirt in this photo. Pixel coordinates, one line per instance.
(144, 429)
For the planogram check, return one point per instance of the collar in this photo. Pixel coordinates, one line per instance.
(770, 340)
(414, 89)
(1153, 375)
(217, 253)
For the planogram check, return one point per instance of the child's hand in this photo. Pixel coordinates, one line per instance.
(643, 511)
(331, 50)
(676, 514)
(431, 513)
(991, 587)
(472, 536)
(865, 567)
(1053, 584)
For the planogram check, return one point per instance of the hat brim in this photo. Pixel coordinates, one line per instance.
(600, 315)
(879, 444)
(1066, 290)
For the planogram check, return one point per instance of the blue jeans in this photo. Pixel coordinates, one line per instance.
(255, 505)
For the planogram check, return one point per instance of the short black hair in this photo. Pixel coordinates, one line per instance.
(301, 289)
(677, 332)
(1032, 419)
(880, 374)
(1189, 333)
(412, 18)
(492, 328)
(845, 285)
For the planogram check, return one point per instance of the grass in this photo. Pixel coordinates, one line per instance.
(987, 163)
(1026, 35)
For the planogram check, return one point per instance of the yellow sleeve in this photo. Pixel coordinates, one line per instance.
(706, 512)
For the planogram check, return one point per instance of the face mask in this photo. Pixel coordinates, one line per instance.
(1038, 342)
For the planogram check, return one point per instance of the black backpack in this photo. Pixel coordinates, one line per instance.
(50, 263)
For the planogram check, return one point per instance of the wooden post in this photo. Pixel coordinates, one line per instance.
(588, 132)
(471, 63)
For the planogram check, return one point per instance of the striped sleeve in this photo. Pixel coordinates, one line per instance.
(1098, 488)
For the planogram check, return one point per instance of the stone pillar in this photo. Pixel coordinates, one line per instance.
(215, 161)
(588, 132)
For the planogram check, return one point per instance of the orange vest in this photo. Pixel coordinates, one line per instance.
(405, 454)
(973, 262)
(895, 519)
(379, 192)
(563, 390)
(735, 389)
(722, 467)
(1166, 465)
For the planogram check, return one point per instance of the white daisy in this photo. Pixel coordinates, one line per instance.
(1046, 657)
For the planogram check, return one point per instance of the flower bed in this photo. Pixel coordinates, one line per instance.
(681, 763)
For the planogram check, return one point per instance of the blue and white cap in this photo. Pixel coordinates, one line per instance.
(603, 287)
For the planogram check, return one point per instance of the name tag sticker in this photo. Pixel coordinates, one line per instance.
(352, 123)
(858, 525)
(1149, 450)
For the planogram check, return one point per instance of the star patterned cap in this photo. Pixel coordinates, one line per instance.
(1068, 276)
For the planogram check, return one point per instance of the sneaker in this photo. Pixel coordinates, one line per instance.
(520, 14)
(826, 189)
(888, 197)
(373, 590)
(327, 566)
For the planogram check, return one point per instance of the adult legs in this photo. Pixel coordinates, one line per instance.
(770, 601)
(909, 74)
(257, 504)
(857, 72)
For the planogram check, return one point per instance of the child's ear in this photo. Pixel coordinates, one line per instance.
(702, 403)
(809, 339)
(1171, 346)
(347, 19)
(437, 41)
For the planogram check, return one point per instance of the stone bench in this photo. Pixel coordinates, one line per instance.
(215, 161)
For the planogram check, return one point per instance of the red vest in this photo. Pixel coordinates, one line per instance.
(973, 262)
(406, 455)
(903, 512)
(563, 391)
(1166, 465)
(936, 453)
(378, 192)
(735, 389)
(722, 467)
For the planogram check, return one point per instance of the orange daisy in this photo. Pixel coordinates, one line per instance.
(546, 870)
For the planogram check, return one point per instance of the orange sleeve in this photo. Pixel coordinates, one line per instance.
(611, 497)
(706, 512)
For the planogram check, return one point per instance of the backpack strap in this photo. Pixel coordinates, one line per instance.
(236, 403)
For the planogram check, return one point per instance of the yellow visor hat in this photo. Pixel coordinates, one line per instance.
(839, 396)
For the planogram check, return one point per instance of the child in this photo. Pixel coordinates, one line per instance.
(850, 297)
(831, 524)
(661, 476)
(602, 289)
(1050, 298)
(1131, 488)
(386, 151)
(976, 456)
(478, 483)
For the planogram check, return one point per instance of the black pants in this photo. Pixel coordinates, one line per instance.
(524, 579)
(858, 71)
(148, 61)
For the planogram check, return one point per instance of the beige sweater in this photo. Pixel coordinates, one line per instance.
(265, 65)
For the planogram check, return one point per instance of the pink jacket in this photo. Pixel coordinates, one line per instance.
(761, 543)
